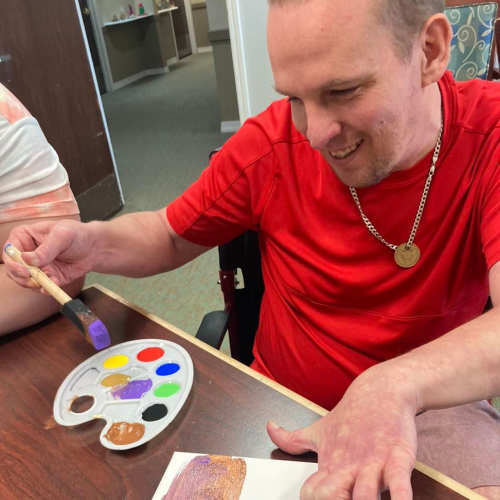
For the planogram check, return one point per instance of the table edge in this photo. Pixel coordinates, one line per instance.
(421, 467)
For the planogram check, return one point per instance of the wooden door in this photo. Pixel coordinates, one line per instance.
(50, 73)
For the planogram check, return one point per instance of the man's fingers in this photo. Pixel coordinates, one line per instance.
(397, 477)
(309, 488)
(295, 442)
(368, 483)
(54, 243)
(24, 280)
(325, 485)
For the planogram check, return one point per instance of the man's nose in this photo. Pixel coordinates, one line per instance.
(322, 126)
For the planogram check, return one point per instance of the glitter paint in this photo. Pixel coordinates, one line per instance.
(121, 433)
(115, 379)
(166, 390)
(115, 361)
(209, 476)
(133, 390)
(150, 354)
(167, 369)
(154, 413)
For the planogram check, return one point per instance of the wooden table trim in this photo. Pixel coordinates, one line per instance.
(424, 469)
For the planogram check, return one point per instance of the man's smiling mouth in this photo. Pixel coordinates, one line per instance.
(344, 153)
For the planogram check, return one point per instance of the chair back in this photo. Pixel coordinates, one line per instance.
(242, 303)
(473, 42)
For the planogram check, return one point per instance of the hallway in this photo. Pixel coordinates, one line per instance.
(162, 129)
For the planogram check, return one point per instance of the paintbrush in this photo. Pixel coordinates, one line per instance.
(74, 309)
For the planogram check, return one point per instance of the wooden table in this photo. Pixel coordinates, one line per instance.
(225, 413)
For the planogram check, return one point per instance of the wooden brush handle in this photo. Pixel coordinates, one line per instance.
(39, 276)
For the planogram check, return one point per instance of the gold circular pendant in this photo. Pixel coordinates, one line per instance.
(406, 256)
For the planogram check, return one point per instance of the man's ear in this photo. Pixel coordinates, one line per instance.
(435, 39)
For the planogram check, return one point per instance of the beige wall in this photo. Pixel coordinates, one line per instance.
(107, 8)
(200, 21)
(166, 36)
(132, 48)
(217, 15)
(224, 73)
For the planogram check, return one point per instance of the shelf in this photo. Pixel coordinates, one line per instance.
(168, 9)
(128, 20)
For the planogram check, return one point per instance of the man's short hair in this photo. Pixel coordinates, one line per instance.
(404, 18)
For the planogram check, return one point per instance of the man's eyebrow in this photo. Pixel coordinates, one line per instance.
(343, 83)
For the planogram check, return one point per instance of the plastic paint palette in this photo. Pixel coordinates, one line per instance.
(138, 387)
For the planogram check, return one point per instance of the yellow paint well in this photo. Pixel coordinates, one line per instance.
(115, 361)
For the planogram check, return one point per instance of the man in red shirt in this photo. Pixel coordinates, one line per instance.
(376, 194)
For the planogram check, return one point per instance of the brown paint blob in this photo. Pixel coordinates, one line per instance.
(121, 433)
(115, 379)
(81, 404)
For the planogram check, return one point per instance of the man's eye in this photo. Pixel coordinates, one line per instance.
(343, 92)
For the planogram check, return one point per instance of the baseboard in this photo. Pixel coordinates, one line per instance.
(100, 201)
(172, 60)
(142, 74)
(204, 49)
(229, 126)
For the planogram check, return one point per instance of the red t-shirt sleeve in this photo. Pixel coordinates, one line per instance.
(490, 214)
(231, 194)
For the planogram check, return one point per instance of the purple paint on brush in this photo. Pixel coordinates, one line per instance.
(99, 335)
(133, 390)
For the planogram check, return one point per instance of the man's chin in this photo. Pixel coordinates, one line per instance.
(359, 179)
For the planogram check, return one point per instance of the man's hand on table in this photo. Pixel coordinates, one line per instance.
(366, 444)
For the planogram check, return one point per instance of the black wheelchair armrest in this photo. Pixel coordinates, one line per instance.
(213, 327)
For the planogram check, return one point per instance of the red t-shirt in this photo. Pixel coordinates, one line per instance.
(335, 302)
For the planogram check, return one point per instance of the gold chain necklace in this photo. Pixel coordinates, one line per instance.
(407, 254)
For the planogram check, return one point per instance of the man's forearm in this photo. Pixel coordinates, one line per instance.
(459, 367)
(139, 244)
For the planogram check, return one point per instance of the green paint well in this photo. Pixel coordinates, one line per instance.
(166, 390)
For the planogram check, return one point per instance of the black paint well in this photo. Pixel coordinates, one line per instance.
(154, 412)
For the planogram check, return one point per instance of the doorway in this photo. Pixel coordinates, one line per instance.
(94, 52)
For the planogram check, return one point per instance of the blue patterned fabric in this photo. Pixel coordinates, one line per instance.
(471, 45)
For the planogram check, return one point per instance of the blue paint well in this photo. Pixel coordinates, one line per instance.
(167, 369)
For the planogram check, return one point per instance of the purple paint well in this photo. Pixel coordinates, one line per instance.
(99, 335)
(167, 369)
(133, 390)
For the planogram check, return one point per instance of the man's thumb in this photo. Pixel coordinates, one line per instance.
(295, 442)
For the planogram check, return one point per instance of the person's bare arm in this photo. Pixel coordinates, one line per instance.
(22, 307)
(463, 365)
(139, 244)
(152, 246)
(368, 442)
